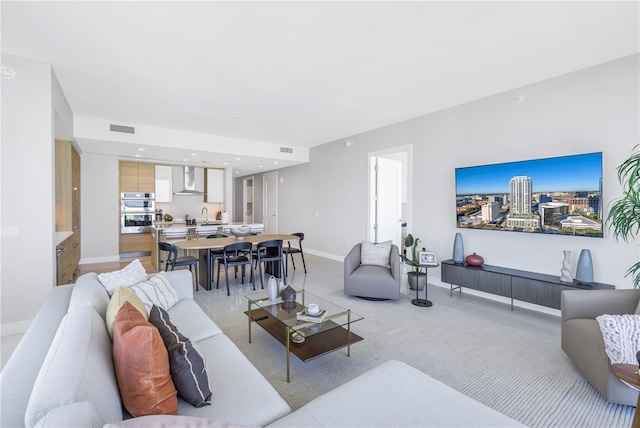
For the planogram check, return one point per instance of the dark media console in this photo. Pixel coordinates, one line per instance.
(531, 287)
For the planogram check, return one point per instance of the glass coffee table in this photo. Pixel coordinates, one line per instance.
(280, 320)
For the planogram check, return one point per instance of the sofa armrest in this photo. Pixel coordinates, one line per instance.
(352, 260)
(182, 281)
(589, 304)
(396, 264)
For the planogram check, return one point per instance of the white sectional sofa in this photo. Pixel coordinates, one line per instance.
(62, 375)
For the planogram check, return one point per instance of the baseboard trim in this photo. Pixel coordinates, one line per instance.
(96, 260)
(325, 255)
(17, 327)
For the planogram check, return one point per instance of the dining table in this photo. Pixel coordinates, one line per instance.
(204, 246)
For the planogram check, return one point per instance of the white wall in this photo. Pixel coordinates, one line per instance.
(595, 109)
(100, 209)
(27, 182)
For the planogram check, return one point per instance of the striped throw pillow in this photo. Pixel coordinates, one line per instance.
(158, 291)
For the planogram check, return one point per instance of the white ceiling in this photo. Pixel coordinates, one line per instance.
(305, 73)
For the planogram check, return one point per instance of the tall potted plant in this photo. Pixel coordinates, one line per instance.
(624, 213)
(416, 278)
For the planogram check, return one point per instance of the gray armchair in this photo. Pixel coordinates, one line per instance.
(374, 282)
(582, 339)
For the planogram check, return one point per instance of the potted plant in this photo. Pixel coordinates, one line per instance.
(624, 213)
(416, 278)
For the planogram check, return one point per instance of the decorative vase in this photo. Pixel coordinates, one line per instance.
(416, 281)
(458, 249)
(474, 260)
(584, 270)
(288, 296)
(565, 272)
(280, 287)
(272, 289)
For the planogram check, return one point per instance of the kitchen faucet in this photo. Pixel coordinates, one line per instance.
(206, 215)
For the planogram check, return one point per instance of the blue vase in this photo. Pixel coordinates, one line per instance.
(584, 270)
(458, 249)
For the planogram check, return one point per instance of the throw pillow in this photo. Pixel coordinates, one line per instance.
(376, 254)
(122, 295)
(188, 368)
(621, 336)
(142, 366)
(158, 291)
(131, 274)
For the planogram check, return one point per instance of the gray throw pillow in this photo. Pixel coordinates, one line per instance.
(376, 254)
(188, 368)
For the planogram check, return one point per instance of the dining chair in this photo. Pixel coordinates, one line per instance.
(271, 252)
(290, 251)
(236, 254)
(174, 261)
(216, 254)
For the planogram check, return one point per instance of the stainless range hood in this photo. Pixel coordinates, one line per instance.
(189, 187)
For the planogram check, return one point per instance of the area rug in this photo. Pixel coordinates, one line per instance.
(486, 354)
(539, 401)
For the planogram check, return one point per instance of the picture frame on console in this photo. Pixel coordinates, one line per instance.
(428, 258)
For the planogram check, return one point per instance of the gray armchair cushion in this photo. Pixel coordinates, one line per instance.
(372, 281)
(582, 339)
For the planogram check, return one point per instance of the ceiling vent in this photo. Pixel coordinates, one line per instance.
(122, 128)
(286, 150)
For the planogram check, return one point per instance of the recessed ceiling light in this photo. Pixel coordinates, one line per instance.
(137, 156)
(185, 160)
(259, 166)
(233, 116)
(237, 158)
(236, 172)
(276, 162)
(194, 154)
(226, 163)
(141, 149)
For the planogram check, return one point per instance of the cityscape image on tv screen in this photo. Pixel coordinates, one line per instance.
(561, 195)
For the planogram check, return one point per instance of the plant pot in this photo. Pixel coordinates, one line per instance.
(419, 281)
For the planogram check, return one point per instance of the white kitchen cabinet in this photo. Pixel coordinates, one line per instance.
(215, 185)
(164, 179)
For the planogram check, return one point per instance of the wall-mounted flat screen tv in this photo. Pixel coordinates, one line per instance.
(560, 195)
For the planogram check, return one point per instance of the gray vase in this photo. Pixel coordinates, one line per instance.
(458, 249)
(584, 270)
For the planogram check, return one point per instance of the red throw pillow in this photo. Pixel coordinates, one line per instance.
(142, 365)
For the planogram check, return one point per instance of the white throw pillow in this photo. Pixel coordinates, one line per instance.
(375, 254)
(158, 291)
(131, 274)
(621, 336)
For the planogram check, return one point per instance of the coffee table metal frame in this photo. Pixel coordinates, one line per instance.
(279, 319)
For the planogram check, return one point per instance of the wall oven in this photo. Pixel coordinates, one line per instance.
(137, 212)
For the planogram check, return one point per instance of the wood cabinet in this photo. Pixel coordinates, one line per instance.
(68, 215)
(136, 243)
(137, 177)
(531, 287)
(214, 185)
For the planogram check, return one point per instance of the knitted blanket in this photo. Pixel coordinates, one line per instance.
(621, 335)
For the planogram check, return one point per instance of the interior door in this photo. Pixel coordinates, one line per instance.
(388, 200)
(270, 205)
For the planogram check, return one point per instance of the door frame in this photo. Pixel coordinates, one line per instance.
(408, 148)
(244, 198)
(264, 201)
